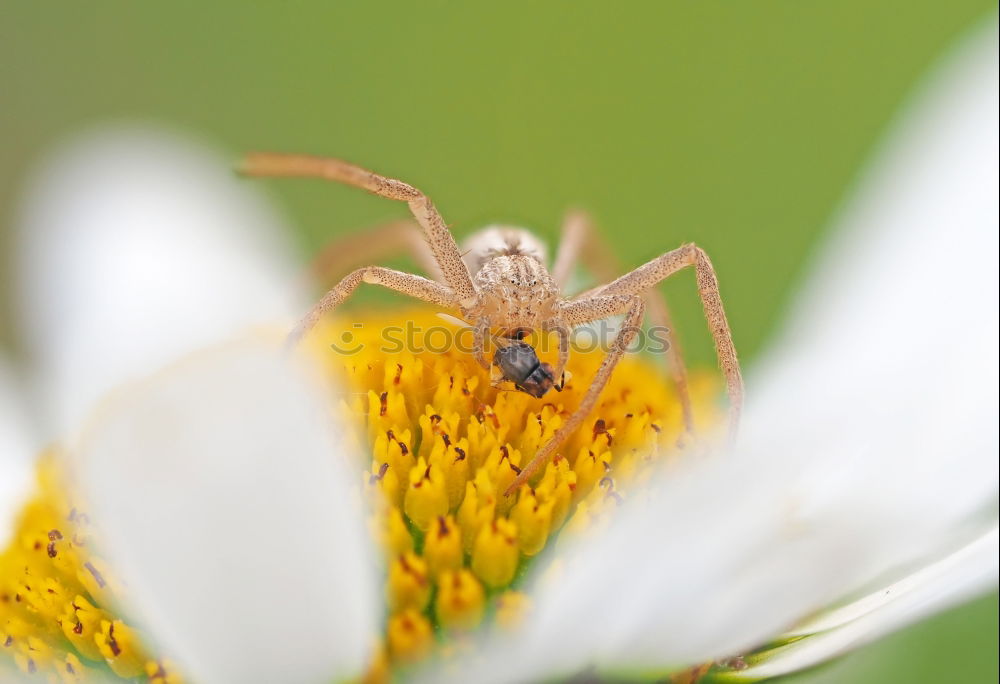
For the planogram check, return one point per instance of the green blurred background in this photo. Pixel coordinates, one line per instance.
(739, 125)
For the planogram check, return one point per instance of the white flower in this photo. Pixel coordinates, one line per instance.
(138, 248)
(135, 248)
(868, 457)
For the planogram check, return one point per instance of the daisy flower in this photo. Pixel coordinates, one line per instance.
(218, 511)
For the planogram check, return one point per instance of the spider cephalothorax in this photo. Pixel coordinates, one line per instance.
(501, 282)
(515, 291)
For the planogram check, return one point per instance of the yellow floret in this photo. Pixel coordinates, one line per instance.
(443, 546)
(460, 600)
(410, 636)
(495, 555)
(409, 586)
(438, 446)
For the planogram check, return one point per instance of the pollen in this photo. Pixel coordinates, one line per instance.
(437, 447)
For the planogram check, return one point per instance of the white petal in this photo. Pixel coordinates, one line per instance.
(968, 572)
(870, 440)
(222, 494)
(972, 565)
(901, 318)
(137, 246)
(16, 452)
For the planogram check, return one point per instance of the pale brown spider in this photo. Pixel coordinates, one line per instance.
(511, 289)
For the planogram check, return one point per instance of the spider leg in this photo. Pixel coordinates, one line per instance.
(347, 252)
(406, 283)
(578, 312)
(651, 273)
(580, 241)
(576, 235)
(565, 340)
(439, 238)
(479, 332)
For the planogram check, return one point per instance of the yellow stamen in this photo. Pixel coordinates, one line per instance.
(532, 519)
(427, 496)
(495, 555)
(409, 585)
(410, 636)
(395, 537)
(57, 619)
(477, 509)
(439, 446)
(162, 672)
(460, 600)
(119, 645)
(512, 609)
(455, 444)
(443, 546)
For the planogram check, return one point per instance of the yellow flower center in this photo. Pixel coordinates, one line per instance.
(438, 447)
(441, 445)
(58, 615)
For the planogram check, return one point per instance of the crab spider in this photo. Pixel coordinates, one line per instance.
(502, 283)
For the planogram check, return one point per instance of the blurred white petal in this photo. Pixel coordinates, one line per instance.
(16, 451)
(870, 439)
(964, 574)
(135, 247)
(906, 299)
(943, 572)
(222, 494)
